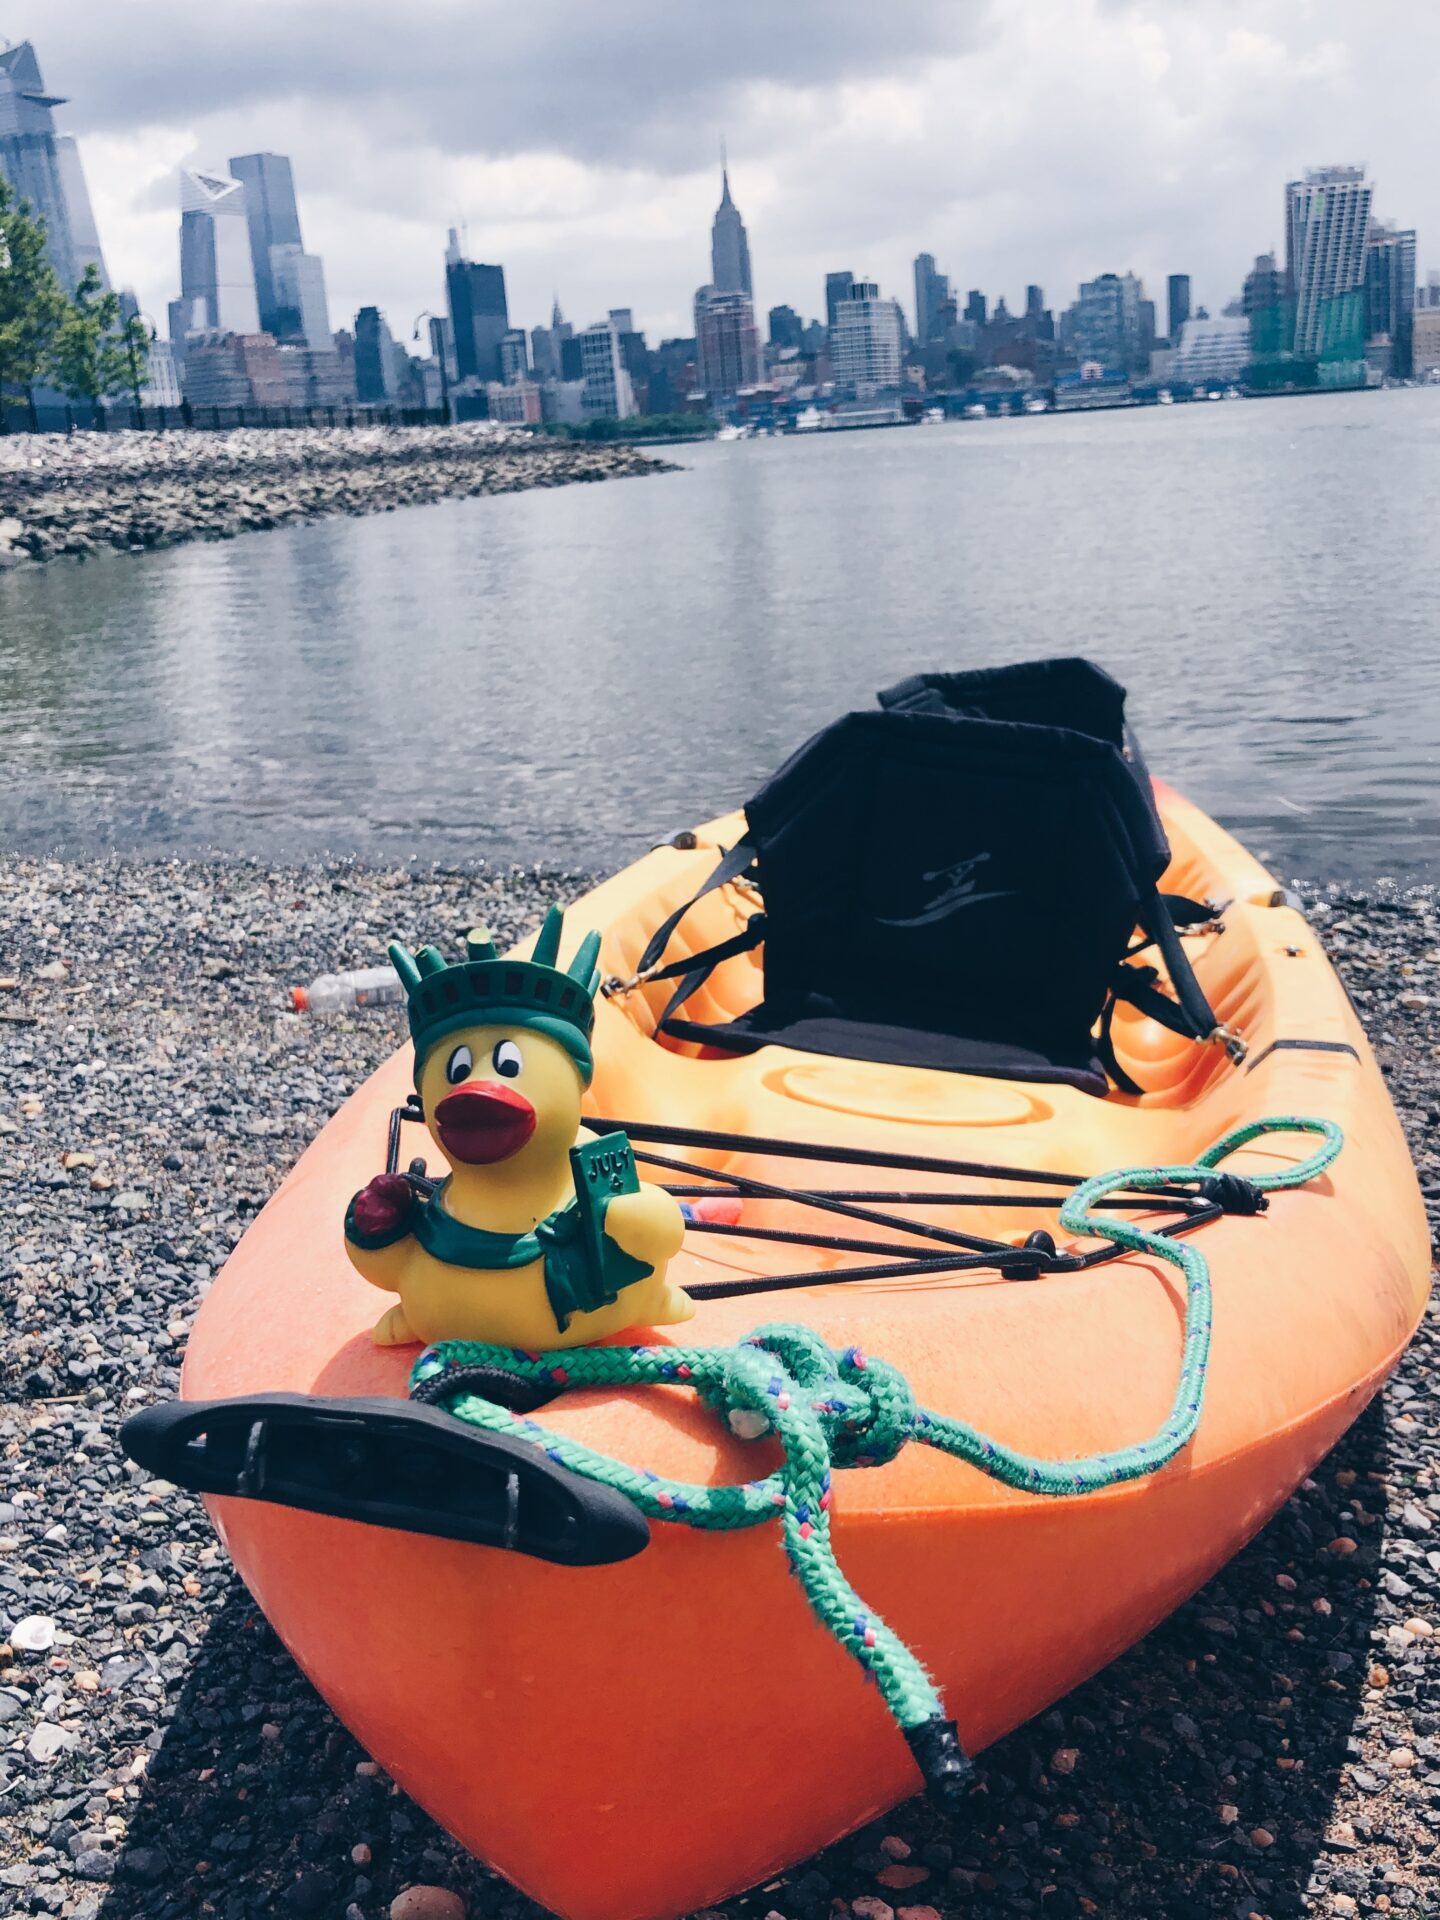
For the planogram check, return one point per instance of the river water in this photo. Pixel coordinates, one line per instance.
(568, 675)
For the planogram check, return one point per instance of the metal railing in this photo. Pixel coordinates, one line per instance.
(22, 414)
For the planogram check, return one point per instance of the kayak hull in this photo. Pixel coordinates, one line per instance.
(645, 1738)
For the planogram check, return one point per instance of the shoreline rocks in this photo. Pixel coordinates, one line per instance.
(1272, 1749)
(82, 493)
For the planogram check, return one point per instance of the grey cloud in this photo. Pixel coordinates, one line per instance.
(626, 82)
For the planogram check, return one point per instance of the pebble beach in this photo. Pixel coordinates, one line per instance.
(1272, 1750)
(78, 494)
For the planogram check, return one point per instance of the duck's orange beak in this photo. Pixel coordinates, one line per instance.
(483, 1122)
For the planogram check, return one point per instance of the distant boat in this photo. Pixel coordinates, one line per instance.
(976, 412)
(732, 433)
(1034, 404)
(933, 416)
(1165, 398)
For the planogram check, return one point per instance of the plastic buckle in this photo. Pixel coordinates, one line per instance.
(387, 1463)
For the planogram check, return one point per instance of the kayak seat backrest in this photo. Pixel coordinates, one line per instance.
(952, 881)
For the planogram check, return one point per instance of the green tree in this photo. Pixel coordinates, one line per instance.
(32, 301)
(91, 354)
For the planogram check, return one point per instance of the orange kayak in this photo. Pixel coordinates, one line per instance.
(647, 1737)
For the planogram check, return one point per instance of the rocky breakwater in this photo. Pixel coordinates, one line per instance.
(79, 493)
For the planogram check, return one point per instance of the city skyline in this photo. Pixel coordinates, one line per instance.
(836, 151)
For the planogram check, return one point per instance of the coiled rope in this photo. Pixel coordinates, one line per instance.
(834, 1409)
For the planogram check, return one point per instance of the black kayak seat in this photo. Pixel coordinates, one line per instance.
(953, 880)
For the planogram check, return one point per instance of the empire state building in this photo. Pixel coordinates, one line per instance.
(729, 248)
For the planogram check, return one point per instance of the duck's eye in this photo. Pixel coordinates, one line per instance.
(457, 1067)
(506, 1059)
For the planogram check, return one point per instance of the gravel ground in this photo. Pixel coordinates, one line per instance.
(79, 493)
(1274, 1749)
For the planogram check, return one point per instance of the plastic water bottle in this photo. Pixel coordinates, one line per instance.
(361, 987)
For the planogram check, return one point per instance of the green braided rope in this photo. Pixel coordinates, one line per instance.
(842, 1409)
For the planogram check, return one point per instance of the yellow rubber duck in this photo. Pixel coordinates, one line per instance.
(505, 1250)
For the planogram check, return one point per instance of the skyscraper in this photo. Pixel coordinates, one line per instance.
(837, 288)
(32, 160)
(1390, 292)
(932, 290)
(217, 276)
(547, 344)
(479, 313)
(374, 358)
(867, 341)
(786, 328)
(727, 342)
(1327, 223)
(514, 355)
(607, 384)
(1264, 284)
(1107, 322)
(273, 220)
(729, 247)
(1177, 288)
(84, 235)
(301, 313)
(975, 309)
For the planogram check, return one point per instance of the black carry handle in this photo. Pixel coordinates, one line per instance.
(389, 1463)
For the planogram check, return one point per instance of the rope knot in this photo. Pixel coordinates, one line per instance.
(1232, 1193)
(853, 1410)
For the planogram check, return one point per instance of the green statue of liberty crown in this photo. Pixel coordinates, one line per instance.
(485, 989)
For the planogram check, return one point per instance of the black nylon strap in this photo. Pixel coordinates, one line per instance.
(1189, 994)
(1185, 912)
(730, 867)
(1136, 985)
(697, 968)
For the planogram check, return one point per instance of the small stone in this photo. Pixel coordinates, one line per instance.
(916, 1913)
(1420, 1628)
(1261, 1837)
(1064, 1759)
(1412, 1002)
(48, 1742)
(431, 1903)
(361, 1854)
(145, 1864)
(1402, 1759)
(87, 1680)
(76, 1157)
(270, 1730)
(1229, 1815)
(1378, 1676)
(868, 1907)
(1342, 1545)
(52, 970)
(95, 1864)
(312, 1893)
(1285, 1580)
(894, 1848)
(901, 1877)
(34, 1634)
(132, 1198)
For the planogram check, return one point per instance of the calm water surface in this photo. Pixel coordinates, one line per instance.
(569, 675)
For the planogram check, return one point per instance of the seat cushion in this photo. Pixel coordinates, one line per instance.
(811, 1024)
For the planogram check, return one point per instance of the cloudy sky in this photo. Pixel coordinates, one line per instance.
(577, 142)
